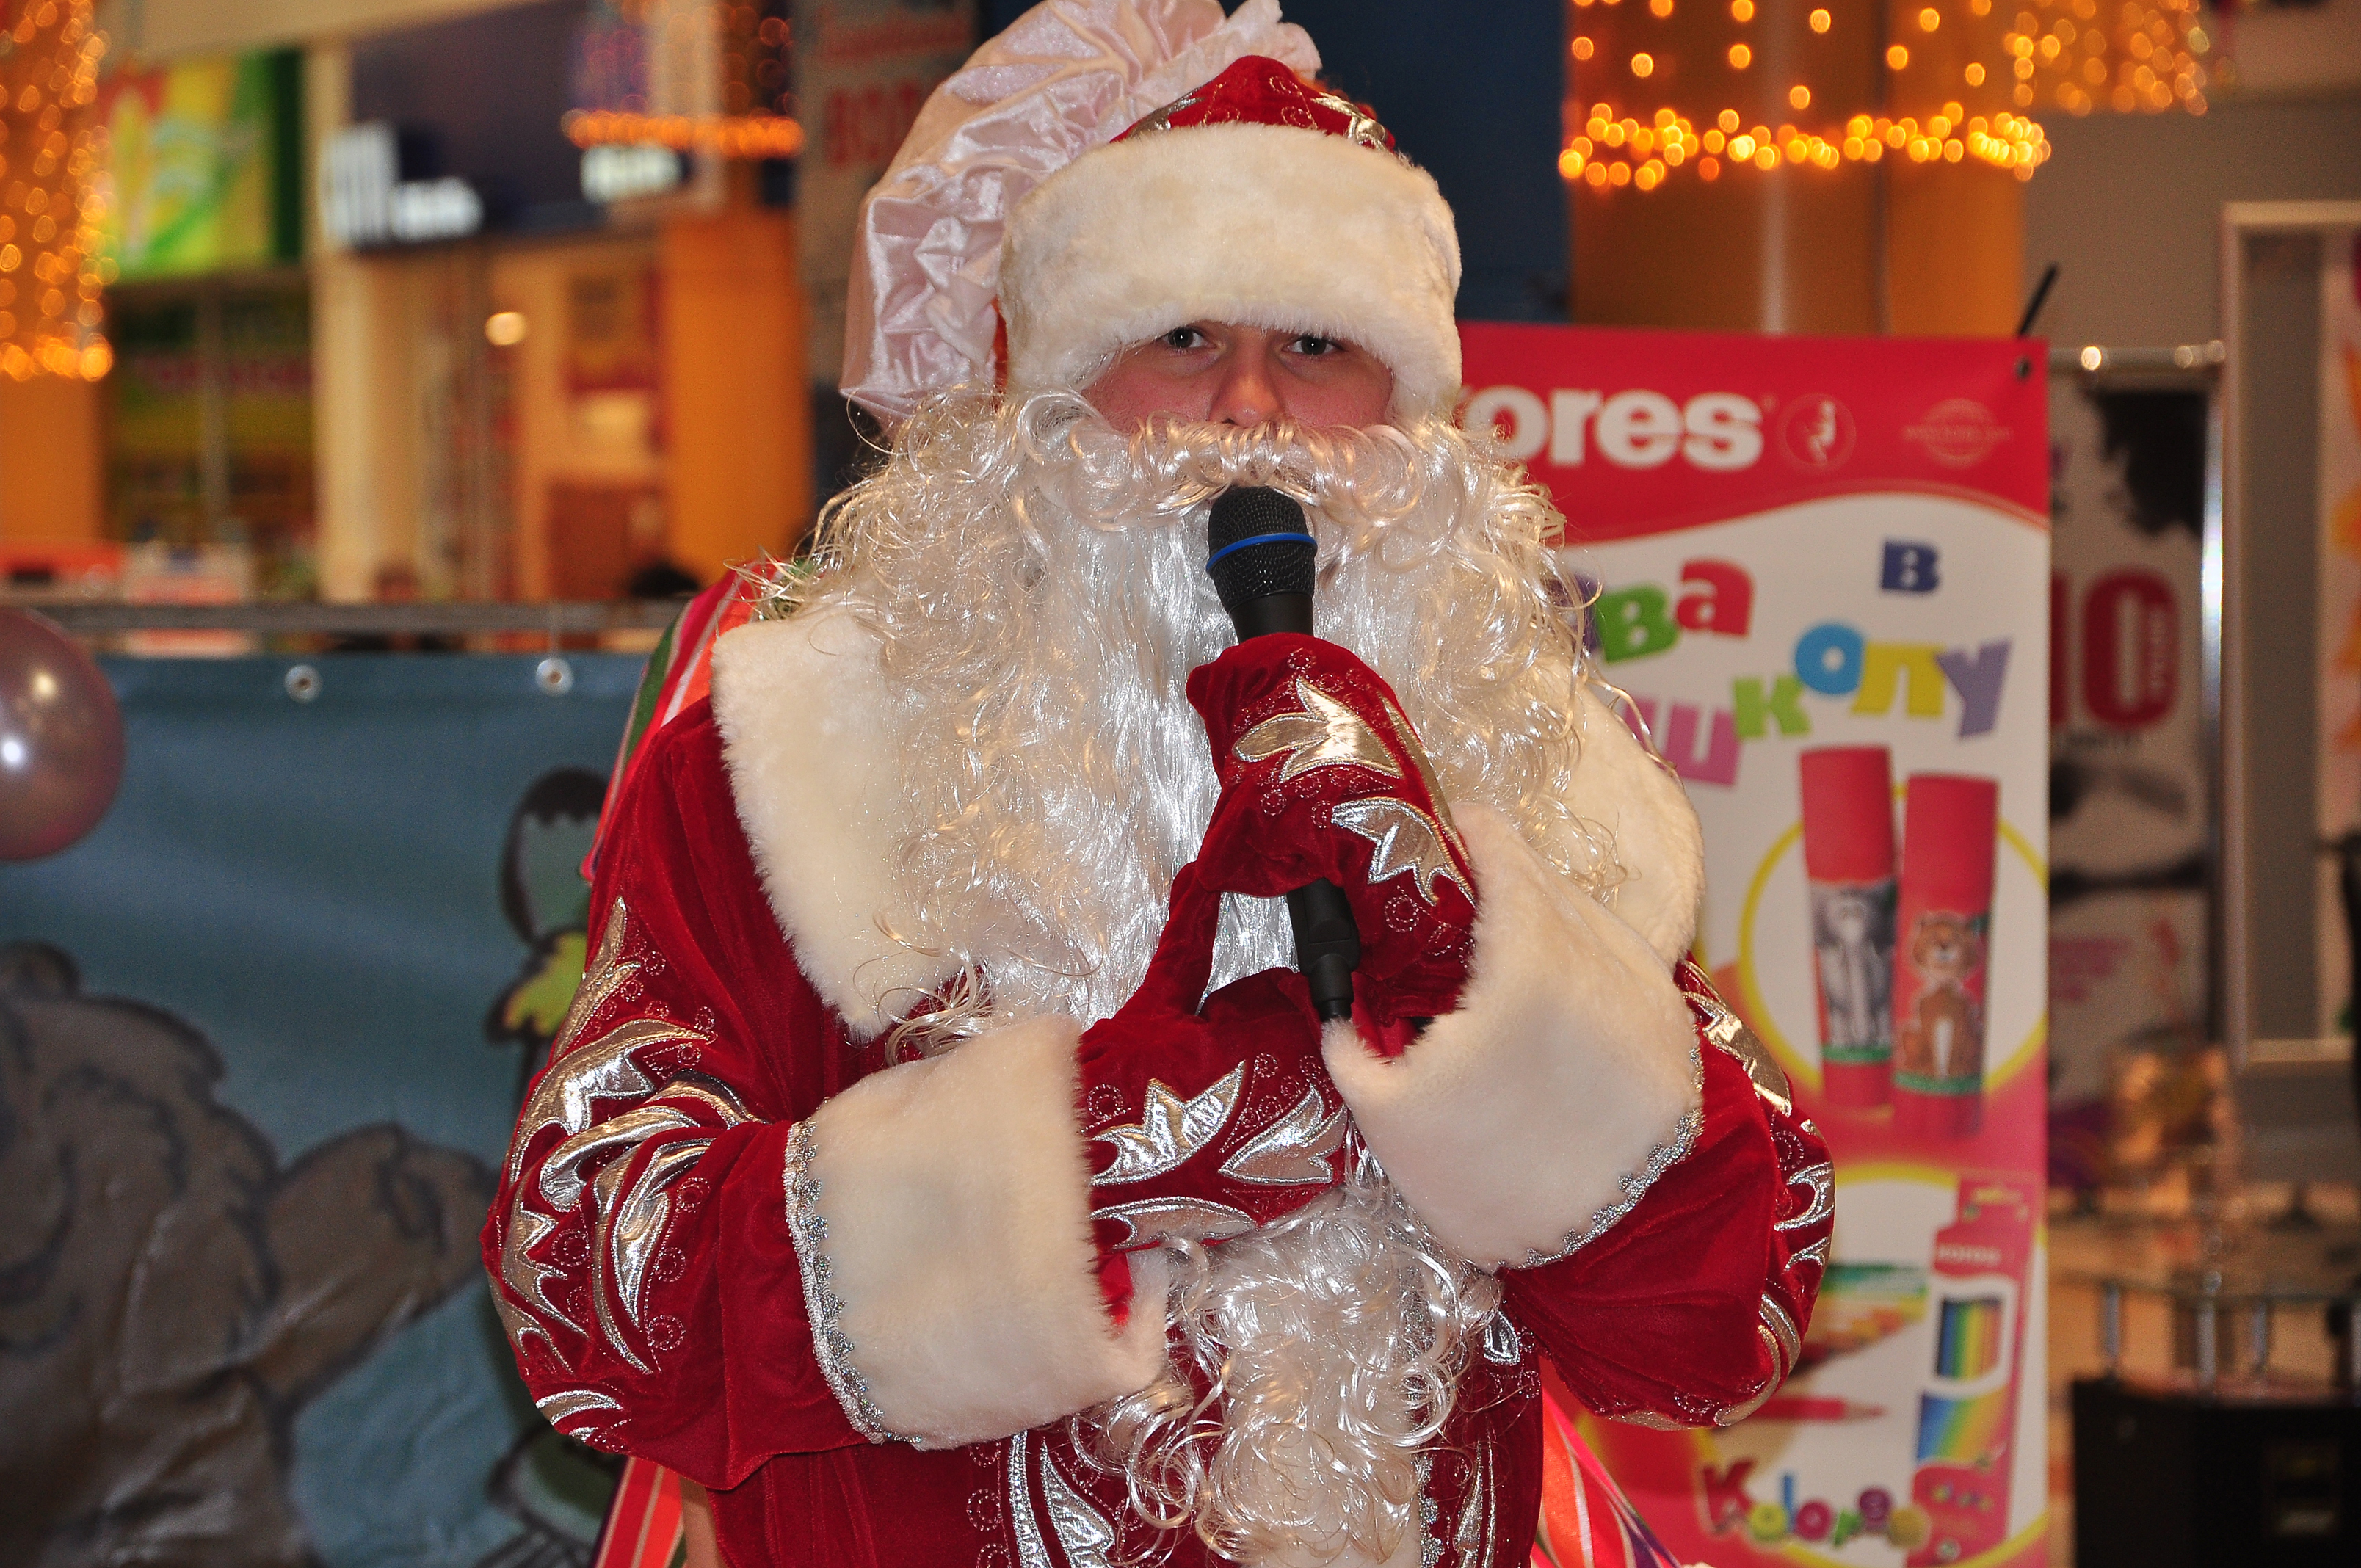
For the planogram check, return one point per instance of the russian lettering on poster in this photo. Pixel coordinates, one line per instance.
(1819, 568)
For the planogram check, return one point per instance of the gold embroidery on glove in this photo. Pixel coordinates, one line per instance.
(1292, 1151)
(1160, 1220)
(1406, 840)
(1407, 733)
(1324, 733)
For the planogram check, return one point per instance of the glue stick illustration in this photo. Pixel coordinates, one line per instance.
(1849, 865)
(1943, 933)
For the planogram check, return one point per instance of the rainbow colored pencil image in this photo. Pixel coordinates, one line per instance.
(1967, 1413)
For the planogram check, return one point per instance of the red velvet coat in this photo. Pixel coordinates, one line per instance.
(672, 1291)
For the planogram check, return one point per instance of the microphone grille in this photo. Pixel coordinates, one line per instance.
(1258, 570)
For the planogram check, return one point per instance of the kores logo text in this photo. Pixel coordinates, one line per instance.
(1719, 432)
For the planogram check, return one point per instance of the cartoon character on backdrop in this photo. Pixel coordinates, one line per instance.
(170, 1294)
(1944, 1035)
(548, 906)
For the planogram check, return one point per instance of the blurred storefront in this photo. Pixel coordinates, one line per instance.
(505, 303)
(559, 370)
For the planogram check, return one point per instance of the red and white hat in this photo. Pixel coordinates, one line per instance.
(1104, 172)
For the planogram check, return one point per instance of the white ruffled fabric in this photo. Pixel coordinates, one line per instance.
(1066, 76)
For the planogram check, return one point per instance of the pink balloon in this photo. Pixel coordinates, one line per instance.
(61, 738)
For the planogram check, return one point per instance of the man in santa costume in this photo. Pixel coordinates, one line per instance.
(942, 1162)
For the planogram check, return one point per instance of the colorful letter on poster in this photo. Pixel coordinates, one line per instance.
(1822, 573)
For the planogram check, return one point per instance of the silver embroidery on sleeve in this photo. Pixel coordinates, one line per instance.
(1293, 1150)
(631, 1232)
(1169, 1131)
(1728, 1030)
(601, 1070)
(561, 1174)
(1031, 1550)
(1782, 1331)
(525, 1277)
(1473, 1537)
(1084, 1532)
(1430, 1545)
(567, 1403)
(563, 1100)
(605, 975)
(1822, 1179)
(1502, 1345)
(513, 1322)
(604, 1187)
(830, 1346)
(1784, 1345)
(1636, 1184)
(1416, 748)
(1649, 1419)
(1324, 733)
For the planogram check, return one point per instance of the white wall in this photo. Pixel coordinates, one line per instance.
(2130, 206)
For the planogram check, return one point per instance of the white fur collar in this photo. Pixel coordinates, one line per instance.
(815, 775)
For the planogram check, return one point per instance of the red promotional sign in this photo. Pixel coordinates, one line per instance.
(1642, 431)
(1818, 570)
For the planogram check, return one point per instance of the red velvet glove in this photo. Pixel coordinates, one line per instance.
(1322, 777)
(1205, 1122)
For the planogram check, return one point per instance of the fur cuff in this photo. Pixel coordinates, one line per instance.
(942, 1209)
(1533, 1117)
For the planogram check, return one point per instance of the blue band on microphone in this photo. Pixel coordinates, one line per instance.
(1260, 539)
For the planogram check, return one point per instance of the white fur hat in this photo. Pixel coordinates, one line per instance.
(1027, 195)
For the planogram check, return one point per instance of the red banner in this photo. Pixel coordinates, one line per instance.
(1819, 568)
(1642, 431)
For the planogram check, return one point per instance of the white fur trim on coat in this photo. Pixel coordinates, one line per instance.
(1636, 798)
(955, 1193)
(1567, 1078)
(1274, 226)
(802, 707)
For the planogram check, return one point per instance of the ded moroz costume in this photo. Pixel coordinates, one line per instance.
(941, 1162)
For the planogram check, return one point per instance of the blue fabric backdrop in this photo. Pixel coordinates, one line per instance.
(287, 954)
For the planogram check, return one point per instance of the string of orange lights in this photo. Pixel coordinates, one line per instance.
(725, 135)
(1822, 85)
(50, 198)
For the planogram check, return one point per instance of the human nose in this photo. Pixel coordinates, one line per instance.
(1246, 393)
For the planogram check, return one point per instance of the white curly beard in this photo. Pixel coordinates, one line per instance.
(1036, 583)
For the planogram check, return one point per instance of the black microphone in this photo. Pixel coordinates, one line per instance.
(1260, 556)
